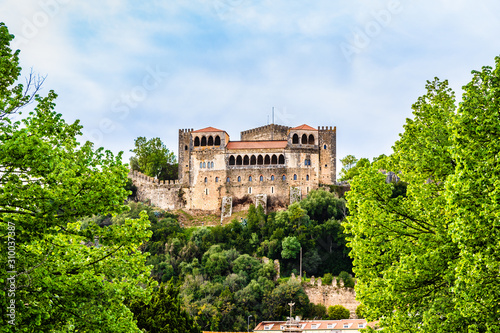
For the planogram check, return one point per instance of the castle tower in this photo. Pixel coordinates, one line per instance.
(327, 154)
(185, 148)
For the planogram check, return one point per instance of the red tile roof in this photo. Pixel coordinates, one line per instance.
(208, 129)
(322, 324)
(304, 127)
(257, 144)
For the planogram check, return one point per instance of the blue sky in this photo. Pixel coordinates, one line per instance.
(130, 68)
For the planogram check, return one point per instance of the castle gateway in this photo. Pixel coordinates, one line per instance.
(271, 165)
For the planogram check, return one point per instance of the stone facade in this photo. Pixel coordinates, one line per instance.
(329, 295)
(278, 163)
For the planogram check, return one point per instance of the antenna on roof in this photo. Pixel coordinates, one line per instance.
(272, 130)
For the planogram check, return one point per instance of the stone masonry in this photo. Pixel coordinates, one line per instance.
(278, 163)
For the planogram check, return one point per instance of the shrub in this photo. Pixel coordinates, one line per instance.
(347, 279)
(337, 312)
(360, 311)
(327, 278)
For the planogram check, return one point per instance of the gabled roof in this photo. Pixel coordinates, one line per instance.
(257, 144)
(320, 325)
(304, 127)
(208, 129)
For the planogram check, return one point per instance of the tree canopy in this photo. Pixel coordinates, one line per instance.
(427, 259)
(154, 159)
(63, 274)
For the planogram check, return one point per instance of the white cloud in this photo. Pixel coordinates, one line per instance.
(230, 61)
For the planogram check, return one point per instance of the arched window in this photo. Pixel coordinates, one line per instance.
(311, 139)
(210, 140)
(272, 177)
(295, 139)
(324, 147)
(261, 178)
(196, 141)
(201, 165)
(283, 177)
(253, 160)
(228, 180)
(246, 160)
(206, 179)
(239, 160)
(294, 177)
(239, 179)
(204, 165)
(307, 177)
(274, 160)
(212, 165)
(217, 141)
(304, 139)
(260, 160)
(232, 160)
(203, 140)
(249, 178)
(208, 165)
(267, 160)
(185, 147)
(216, 179)
(282, 159)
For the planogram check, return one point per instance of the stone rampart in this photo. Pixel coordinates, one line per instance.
(167, 194)
(331, 294)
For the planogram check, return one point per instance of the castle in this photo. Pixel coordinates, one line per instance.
(272, 165)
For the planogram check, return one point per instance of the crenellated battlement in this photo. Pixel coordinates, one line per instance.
(266, 132)
(265, 128)
(185, 130)
(327, 128)
(139, 176)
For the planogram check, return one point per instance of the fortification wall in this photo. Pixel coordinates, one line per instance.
(166, 194)
(267, 132)
(331, 294)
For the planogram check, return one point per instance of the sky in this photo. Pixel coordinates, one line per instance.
(149, 68)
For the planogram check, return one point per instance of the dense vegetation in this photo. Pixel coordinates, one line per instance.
(60, 271)
(427, 259)
(219, 269)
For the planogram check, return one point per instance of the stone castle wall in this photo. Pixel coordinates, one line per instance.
(208, 172)
(268, 132)
(331, 294)
(166, 194)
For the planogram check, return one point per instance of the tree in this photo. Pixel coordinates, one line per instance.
(337, 312)
(276, 303)
(291, 247)
(351, 167)
(63, 274)
(154, 159)
(360, 311)
(427, 260)
(164, 313)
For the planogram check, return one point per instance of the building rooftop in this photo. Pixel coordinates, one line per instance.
(257, 144)
(312, 325)
(304, 127)
(208, 129)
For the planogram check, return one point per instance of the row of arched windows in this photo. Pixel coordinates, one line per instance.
(261, 178)
(204, 141)
(250, 178)
(305, 140)
(256, 160)
(208, 165)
